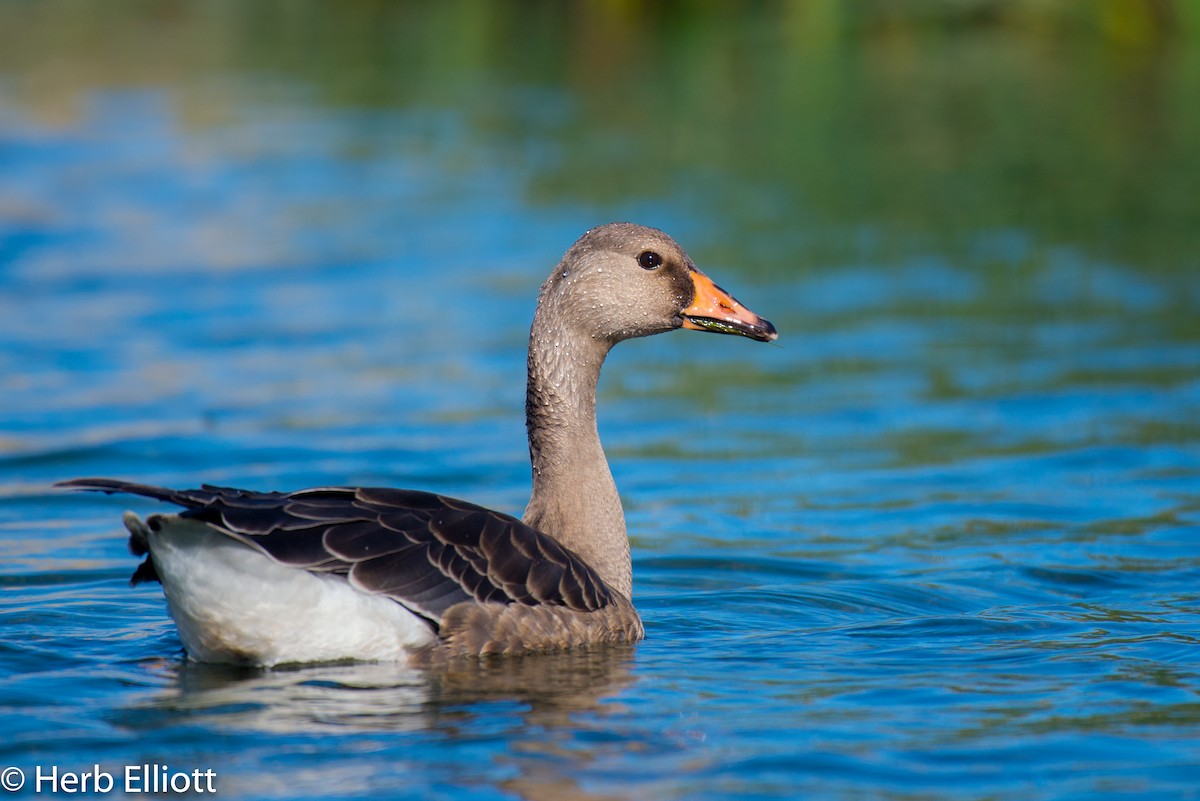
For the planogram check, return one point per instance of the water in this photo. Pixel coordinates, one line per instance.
(939, 542)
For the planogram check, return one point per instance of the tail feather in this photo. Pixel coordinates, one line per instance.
(139, 530)
(139, 534)
(112, 485)
(139, 545)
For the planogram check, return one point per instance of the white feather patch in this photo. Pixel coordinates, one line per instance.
(234, 604)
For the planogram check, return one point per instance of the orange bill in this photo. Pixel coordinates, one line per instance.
(714, 309)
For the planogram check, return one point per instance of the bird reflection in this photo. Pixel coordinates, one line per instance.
(557, 695)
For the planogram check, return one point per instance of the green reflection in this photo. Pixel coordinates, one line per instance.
(928, 121)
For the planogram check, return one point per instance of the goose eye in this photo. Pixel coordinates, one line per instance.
(650, 260)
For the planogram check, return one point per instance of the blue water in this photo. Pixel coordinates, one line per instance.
(939, 542)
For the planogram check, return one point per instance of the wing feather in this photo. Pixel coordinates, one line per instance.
(426, 551)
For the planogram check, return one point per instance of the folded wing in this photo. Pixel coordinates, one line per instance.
(425, 551)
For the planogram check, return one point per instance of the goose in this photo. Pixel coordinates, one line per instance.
(376, 574)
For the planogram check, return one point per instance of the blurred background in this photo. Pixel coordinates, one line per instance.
(1017, 172)
(927, 121)
(939, 541)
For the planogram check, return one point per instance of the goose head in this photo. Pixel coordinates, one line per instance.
(621, 280)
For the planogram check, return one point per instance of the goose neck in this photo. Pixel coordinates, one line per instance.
(574, 497)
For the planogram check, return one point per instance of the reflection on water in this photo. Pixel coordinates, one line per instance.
(309, 699)
(382, 697)
(937, 542)
(540, 704)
